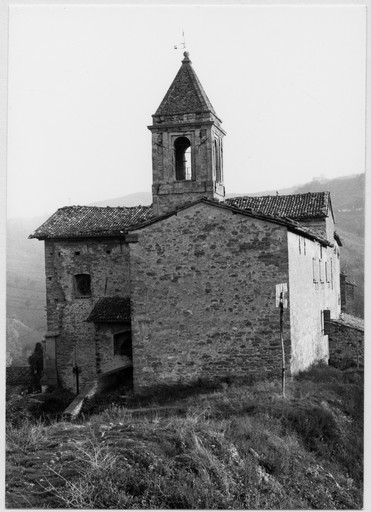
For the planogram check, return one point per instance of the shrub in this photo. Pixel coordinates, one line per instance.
(314, 425)
(47, 407)
(25, 437)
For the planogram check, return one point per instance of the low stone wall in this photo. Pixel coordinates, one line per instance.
(17, 375)
(346, 343)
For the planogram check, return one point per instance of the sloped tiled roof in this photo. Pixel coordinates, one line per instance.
(291, 224)
(186, 94)
(111, 310)
(294, 206)
(93, 221)
(80, 221)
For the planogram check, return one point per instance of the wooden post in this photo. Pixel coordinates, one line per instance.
(282, 346)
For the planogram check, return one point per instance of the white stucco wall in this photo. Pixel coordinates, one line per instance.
(308, 298)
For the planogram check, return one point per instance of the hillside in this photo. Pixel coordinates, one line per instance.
(25, 258)
(229, 445)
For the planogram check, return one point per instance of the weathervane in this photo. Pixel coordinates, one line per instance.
(181, 45)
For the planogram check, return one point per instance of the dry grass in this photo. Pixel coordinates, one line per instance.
(27, 437)
(237, 447)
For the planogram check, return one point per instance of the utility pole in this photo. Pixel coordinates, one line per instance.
(283, 347)
(281, 303)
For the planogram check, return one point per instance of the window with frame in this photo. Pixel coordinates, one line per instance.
(82, 285)
(320, 270)
(122, 344)
(325, 321)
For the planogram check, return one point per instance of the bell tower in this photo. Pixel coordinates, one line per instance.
(187, 145)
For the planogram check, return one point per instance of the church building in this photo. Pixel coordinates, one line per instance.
(188, 287)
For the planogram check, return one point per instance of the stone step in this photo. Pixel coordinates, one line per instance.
(90, 389)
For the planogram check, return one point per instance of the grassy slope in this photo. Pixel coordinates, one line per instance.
(234, 446)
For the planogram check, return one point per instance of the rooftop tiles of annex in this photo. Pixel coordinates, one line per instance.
(93, 221)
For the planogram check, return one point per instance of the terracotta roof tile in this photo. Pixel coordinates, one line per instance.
(292, 224)
(294, 206)
(80, 221)
(111, 310)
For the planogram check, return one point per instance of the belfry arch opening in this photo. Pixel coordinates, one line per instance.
(183, 159)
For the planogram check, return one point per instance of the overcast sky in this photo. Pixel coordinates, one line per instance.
(84, 80)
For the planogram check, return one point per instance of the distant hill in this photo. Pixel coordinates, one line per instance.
(140, 198)
(25, 305)
(25, 258)
(145, 198)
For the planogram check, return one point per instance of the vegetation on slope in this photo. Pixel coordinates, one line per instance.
(231, 445)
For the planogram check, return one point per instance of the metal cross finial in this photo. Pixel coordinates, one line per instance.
(181, 45)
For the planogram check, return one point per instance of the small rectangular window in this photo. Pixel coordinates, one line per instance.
(325, 321)
(332, 275)
(82, 286)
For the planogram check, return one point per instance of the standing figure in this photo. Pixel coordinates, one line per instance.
(36, 367)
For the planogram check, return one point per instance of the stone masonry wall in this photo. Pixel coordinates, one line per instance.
(107, 262)
(346, 344)
(203, 297)
(167, 192)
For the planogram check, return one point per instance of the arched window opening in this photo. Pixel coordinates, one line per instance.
(122, 344)
(183, 159)
(82, 286)
(218, 161)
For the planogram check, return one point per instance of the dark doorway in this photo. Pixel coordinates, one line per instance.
(122, 344)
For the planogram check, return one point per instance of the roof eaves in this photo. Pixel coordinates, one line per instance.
(338, 239)
(52, 230)
(297, 228)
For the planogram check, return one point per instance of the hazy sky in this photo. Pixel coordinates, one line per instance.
(84, 80)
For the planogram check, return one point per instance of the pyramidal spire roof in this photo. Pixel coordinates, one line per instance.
(186, 94)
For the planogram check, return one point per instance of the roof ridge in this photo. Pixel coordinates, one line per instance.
(198, 88)
(280, 195)
(105, 207)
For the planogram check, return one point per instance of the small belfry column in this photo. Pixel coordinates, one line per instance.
(187, 145)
